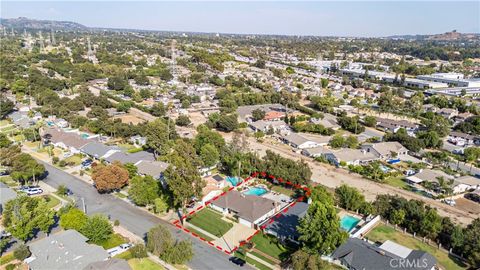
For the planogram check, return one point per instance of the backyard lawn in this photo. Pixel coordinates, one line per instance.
(287, 191)
(210, 221)
(383, 232)
(397, 182)
(114, 240)
(269, 245)
(144, 264)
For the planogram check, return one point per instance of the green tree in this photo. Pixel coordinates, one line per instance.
(227, 122)
(159, 137)
(24, 214)
(319, 229)
(159, 240)
(97, 229)
(131, 168)
(370, 121)
(6, 108)
(209, 155)
(24, 168)
(349, 198)
(160, 205)
(398, 216)
(73, 219)
(258, 114)
(143, 190)
(4, 141)
(183, 121)
(21, 252)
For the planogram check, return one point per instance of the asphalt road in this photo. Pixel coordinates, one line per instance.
(133, 219)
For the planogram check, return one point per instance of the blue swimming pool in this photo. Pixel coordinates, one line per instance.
(256, 191)
(234, 180)
(348, 222)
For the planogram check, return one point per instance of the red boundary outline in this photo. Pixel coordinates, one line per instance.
(179, 225)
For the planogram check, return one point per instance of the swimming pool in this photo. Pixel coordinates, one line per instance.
(256, 191)
(348, 222)
(234, 180)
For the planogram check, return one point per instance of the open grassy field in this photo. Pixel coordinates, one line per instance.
(383, 232)
(210, 221)
(144, 264)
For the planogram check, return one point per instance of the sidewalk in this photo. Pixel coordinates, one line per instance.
(262, 261)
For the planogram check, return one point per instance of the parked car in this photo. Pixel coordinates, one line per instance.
(237, 261)
(33, 191)
(86, 163)
(473, 197)
(450, 202)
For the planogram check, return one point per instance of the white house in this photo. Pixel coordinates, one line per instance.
(297, 141)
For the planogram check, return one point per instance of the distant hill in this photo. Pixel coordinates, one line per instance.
(26, 23)
(448, 36)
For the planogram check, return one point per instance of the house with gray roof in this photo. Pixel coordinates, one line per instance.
(111, 264)
(349, 156)
(250, 210)
(385, 150)
(285, 227)
(297, 141)
(98, 150)
(64, 250)
(359, 254)
(6, 194)
(130, 157)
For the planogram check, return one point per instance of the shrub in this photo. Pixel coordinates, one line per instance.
(116, 223)
(10, 266)
(55, 160)
(139, 251)
(62, 163)
(21, 252)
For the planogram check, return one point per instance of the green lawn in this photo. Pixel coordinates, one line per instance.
(208, 238)
(240, 253)
(52, 201)
(6, 258)
(210, 221)
(114, 240)
(269, 245)
(144, 264)
(383, 232)
(75, 159)
(397, 182)
(7, 180)
(287, 191)
(127, 255)
(260, 256)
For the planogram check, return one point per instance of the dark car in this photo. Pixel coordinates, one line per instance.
(237, 261)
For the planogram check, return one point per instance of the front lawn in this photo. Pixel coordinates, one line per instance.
(144, 264)
(210, 221)
(114, 240)
(270, 246)
(75, 160)
(381, 233)
(6, 258)
(206, 237)
(52, 201)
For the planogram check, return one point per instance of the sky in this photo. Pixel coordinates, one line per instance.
(320, 18)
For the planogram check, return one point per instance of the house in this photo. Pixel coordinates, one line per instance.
(359, 254)
(6, 194)
(218, 181)
(448, 113)
(64, 250)
(314, 152)
(138, 140)
(432, 176)
(111, 264)
(297, 141)
(249, 209)
(395, 125)
(465, 183)
(70, 141)
(133, 158)
(154, 169)
(285, 227)
(350, 156)
(463, 116)
(265, 126)
(386, 150)
(98, 150)
(460, 138)
(274, 116)
(429, 108)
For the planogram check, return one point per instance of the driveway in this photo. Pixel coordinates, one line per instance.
(134, 219)
(234, 236)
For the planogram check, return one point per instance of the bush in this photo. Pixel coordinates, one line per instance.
(55, 160)
(116, 223)
(138, 251)
(62, 163)
(21, 252)
(10, 266)
(62, 190)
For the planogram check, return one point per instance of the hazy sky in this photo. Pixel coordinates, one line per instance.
(357, 18)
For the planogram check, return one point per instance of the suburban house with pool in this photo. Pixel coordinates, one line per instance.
(250, 210)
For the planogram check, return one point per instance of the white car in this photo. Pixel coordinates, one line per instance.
(34, 191)
(450, 202)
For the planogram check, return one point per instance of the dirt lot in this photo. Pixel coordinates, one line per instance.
(468, 206)
(129, 119)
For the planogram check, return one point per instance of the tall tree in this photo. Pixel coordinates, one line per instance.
(143, 190)
(160, 135)
(209, 155)
(109, 177)
(97, 228)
